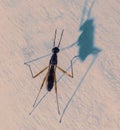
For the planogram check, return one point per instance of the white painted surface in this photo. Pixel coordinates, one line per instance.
(26, 32)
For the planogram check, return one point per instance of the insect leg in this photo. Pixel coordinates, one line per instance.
(34, 76)
(56, 95)
(70, 75)
(40, 89)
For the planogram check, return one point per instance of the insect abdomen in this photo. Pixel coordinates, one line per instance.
(50, 80)
(49, 86)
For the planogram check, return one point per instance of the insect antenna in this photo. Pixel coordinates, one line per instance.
(60, 38)
(54, 37)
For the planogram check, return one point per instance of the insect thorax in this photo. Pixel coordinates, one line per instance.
(53, 60)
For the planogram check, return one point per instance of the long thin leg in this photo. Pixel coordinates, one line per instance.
(56, 95)
(70, 75)
(34, 76)
(40, 89)
(38, 103)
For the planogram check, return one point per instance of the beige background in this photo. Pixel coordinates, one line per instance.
(26, 32)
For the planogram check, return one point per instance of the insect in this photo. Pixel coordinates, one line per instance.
(50, 76)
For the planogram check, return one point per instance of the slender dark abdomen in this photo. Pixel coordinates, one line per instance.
(50, 79)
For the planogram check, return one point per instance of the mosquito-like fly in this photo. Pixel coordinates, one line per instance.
(50, 77)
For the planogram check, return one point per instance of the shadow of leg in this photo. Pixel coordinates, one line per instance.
(38, 103)
(80, 83)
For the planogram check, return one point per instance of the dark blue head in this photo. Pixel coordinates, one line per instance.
(55, 50)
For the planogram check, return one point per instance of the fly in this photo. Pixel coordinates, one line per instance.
(50, 76)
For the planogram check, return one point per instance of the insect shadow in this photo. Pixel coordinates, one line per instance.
(85, 41)
(86, 46)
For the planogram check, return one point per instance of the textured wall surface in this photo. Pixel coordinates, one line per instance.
(91, 31)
